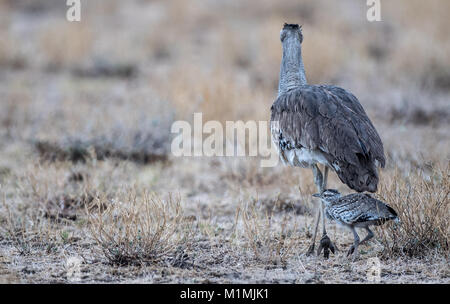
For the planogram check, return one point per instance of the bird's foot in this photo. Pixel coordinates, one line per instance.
(326, 245)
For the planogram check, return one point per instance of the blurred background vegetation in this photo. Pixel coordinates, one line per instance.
(131, 66)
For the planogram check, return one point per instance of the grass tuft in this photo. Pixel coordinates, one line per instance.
(139, 228)
(423, 205)
(272, 239)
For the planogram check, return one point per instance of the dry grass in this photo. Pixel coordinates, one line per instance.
(423, 204)
(138, 228)
(29, 231)
(271, 239)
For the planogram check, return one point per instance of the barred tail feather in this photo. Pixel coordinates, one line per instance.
(363, 177)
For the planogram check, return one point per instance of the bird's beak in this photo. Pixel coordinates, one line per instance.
(316, 195)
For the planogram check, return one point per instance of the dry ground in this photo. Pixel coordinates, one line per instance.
(86, 172)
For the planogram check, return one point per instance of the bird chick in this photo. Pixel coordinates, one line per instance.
(356, 210)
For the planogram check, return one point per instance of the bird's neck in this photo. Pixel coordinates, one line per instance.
(327, 202)
(330, 201)
(292, 70)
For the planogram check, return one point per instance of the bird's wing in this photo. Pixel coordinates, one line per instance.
(361, 121)
(371, 209)
(321, 117)
(349, 209)
(382, 210)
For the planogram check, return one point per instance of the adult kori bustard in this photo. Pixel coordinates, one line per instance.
(322, 124)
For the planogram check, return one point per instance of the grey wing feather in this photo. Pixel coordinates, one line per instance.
(379, 211)
(372, 142)
(359, 208)
(347, 209)
(332, 120)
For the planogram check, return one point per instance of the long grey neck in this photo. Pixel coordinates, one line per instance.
(292, 71)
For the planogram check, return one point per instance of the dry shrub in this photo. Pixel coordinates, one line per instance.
(144, 149)
(419, 115)
(423, 205)
(106, 69)
(65, 207)
(134, 125)
(271, 239)
(139, 228)
(26, 228)
(36, 209)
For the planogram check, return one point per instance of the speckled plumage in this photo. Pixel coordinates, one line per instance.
(330, 124)
(356, 210)
(322, 124)
(360, 210)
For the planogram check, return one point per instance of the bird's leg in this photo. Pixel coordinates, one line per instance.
(354, 248)
(316, 226)
(368, 236)
(325, 243)
(324, 186)
(318, 180)
(325, 178)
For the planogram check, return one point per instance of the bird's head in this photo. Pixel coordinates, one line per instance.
(328, 195)
(291, 31)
